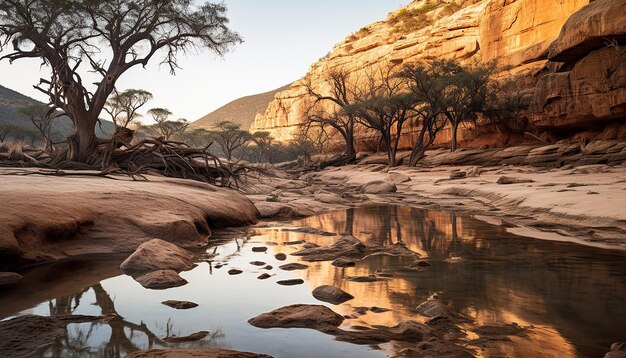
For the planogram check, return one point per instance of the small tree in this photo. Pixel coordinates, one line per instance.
(428, 82)
(229, 137)
(385, 104)
(507, 102)
(343, 88)
(123, 107)
(169, 128)
(42, 117)
(465, 95)
(263, 142)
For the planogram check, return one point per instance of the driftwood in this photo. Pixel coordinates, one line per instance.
(148, 156)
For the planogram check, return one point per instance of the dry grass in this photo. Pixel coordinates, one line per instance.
(15, 150)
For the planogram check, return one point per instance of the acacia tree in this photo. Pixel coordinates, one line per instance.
(42, 117)
(341, 94)
(465, 95)
(112, 37)
(385, 105)
(229, 137)
(263, 142)
(428, 82)
(507, 102)
(123, 107)
(169, 128)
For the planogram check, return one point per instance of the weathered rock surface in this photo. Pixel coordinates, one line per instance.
(323, 319)
(158, 255)
(379, 187)
(556, 47)
(298, 316)
(351, 247)
(194, 353)
(290, 282)
(512, 180)
(331, 294)
(45, 218)
(161, 280)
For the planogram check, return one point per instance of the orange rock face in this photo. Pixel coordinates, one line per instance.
(559, 46)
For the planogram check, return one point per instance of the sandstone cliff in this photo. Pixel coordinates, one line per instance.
(558, 47)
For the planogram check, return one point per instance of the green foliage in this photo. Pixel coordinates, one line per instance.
(409, 20)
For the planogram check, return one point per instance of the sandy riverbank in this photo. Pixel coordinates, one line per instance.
(585, 204)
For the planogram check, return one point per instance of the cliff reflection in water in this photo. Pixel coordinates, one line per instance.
(571, 294)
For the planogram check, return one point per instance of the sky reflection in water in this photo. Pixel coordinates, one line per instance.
(573, 295)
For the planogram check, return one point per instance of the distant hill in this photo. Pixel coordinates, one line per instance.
(10, 116)
(241, 111)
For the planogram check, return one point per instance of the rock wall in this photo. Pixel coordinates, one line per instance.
(558, 46)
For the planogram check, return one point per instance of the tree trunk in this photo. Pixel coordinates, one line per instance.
(418, 148)
(83, 143)
(455, 128)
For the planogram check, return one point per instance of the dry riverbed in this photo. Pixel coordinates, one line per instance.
(585, 204)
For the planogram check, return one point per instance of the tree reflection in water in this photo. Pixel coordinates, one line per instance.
(125, 337)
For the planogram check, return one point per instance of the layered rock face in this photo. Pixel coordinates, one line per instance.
(559, 48)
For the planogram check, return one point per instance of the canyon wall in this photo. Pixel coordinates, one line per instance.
(560, 48)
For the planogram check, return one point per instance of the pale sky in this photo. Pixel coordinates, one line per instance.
(282, 39)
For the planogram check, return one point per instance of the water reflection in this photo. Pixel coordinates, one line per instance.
(109, 333)
(572, 295)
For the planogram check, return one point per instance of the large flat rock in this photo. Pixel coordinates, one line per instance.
(44, 218)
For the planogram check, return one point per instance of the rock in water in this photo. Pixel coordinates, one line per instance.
(190, 338)
(293, 266)
(9, 278)
(512, 180)
(292, 282)
(158, 255)
(259, 249)
(331, 294)
(379, 187)
(194, 353)
(161, 279)
(180, 305)
(264, 276)
(280, 257)
(298, 316)
(341, 262)
(234, 271)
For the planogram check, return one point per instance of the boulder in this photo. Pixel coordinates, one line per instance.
(158, 255)
(298, 316)
(331, 294)
(264, 276)
(259, 249)
(234, 271)
(378, 187)
(280, 257)
(588, 29)
(161, 279)
(345, 246)
(180, 305)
